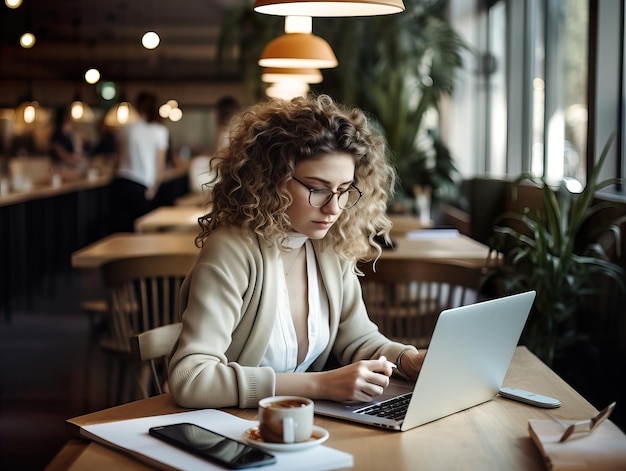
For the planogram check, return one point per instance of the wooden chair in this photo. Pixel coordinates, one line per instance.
(404, 298)
(153, 347)
(142, 293)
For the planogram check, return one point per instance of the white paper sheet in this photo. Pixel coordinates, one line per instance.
(424, 234)
(132, 436)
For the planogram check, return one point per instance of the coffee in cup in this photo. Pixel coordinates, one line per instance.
(286, 419)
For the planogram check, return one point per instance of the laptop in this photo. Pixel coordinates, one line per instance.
(468, 356)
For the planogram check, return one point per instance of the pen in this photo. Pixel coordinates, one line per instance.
(385, 359)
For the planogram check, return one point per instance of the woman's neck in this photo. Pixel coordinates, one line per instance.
(295, 240)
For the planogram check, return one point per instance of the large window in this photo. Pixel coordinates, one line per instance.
(554, 38)
(494, 70)
(554, 94)
(565, 120)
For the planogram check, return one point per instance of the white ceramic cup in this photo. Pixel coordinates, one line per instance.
(286, 419)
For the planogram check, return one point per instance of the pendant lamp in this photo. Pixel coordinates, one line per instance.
(328, 7)
(298, 48)
(80, 111)
(275, 75)
(27, 112)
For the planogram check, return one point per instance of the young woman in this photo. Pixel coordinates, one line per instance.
(274, 294)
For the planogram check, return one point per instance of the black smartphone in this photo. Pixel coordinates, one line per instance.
(212, 446)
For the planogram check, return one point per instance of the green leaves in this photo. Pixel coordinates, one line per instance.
(556, 251)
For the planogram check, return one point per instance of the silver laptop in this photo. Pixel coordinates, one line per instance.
(468, 356)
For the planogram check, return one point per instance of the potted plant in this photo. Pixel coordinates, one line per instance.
(555, 251)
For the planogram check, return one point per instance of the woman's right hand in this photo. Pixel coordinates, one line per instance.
(361, 381)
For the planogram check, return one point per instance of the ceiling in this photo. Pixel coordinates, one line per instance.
(74, 35)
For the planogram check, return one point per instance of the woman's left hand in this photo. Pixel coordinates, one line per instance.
(411, 363)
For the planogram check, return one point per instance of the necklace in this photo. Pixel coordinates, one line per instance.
(295, 259)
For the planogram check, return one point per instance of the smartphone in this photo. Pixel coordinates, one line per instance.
(212, 446)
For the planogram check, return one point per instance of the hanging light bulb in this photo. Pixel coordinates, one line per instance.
(287, 90)
(27, 112)
(77, 110)
(30, 113)
(275, 74)
(81, 111)
(150, 40)
(121, 114)
(92, 76)
(13, 4)
(298, 24)
(328, 7)
(27, 40)
(171, 111)
(176, 114)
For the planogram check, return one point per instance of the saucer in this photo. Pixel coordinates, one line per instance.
(253, 437)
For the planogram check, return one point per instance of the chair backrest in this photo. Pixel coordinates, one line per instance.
(143, 293)
(154, 346)
(404, 298)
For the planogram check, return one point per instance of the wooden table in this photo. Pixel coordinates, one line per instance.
(438, 245)
(170, 218)
(403, 223)
(491, 436)
(128, 244)
(191, 199)
(461, 248)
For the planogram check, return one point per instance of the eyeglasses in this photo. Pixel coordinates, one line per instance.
(319, 197)
(584, 426)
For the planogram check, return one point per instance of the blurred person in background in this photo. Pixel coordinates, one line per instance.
(142, 148)
(202, 174)
(227, 108)
(67, 147)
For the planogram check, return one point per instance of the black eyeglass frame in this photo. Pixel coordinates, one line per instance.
(330, 194)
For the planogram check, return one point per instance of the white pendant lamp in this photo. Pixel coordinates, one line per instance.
(328, 7)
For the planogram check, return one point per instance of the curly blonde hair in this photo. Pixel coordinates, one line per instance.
(268, 140)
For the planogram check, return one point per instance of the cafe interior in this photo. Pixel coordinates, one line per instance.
(505, 120)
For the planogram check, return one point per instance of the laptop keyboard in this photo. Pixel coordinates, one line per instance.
(394, 408)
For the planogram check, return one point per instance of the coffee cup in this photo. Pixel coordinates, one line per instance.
(286, 419)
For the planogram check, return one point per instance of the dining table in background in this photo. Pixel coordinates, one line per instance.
(170, 218)
(490, 436)
(412, 247)
(181, 217)
(192, 199)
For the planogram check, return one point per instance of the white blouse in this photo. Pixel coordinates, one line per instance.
(282, 351)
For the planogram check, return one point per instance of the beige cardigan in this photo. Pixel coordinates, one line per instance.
(228, 301)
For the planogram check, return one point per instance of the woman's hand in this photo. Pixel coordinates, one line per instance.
(360, 381)
(411, 363)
